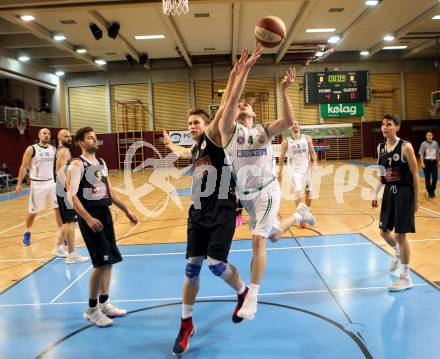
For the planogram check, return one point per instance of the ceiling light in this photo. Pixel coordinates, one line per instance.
(149, 37)
(365, 52)
(389, 38)
(320, 30)
(371, 2)
(59, 73)
(100, 62)
(334, 39)
(396, 47)
(59, 37)
(27, 18)
(436, 17)
(319, 53)
(81, 50)
(24, 58)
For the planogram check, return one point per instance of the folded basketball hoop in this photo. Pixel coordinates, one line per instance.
(175, 7)
(21, 127)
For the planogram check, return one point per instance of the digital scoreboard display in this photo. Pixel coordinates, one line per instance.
(336, 87)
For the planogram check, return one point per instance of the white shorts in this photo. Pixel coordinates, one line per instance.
(41, 194)
(301, 180)
(263, 208)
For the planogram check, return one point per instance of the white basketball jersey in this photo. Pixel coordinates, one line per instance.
(249, 153)
(42, 163)
(298, 153)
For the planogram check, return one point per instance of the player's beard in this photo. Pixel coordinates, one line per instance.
(92, 149)
(67, 144)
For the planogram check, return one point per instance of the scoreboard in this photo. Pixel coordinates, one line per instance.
(336, 87)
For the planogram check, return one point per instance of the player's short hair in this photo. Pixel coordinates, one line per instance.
(202, 113)
(396, 120)
(81, 133)
(429, 131)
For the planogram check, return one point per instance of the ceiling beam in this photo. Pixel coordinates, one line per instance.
(44, 52)
(19, 41)
(419, 19)
(303, 13)
(235, 28)
(420, 47)
(130, 49)
(175, 34)
(44, 34)
(66, 61)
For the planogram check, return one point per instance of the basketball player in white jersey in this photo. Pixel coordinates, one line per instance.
(298, 147)
(69, 217)
(249, 150)
(39, 159)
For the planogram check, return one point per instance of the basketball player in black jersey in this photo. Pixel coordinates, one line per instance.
(211, 217)
(63, 157)
(400, 198)
(92, 195)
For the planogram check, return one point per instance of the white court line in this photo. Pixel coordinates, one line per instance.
(250, 249)
(21, 224)
(209, 297)
(430, 210)
(71, 284)
(83, 273)
(382, 244)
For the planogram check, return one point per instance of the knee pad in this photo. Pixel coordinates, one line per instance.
(218, 269)
(192, 270)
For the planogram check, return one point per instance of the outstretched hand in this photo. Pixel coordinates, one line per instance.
(289, 78)
(256, 54)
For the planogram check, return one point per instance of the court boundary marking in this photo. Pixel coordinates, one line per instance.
(209, 297)
(432, 284)
(360, 344)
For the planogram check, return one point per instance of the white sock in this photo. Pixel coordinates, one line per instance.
(253, 289)
(242, 289)
(187, 310)
(397, 251)
(27, 230)
(404, 270)
(60, 246)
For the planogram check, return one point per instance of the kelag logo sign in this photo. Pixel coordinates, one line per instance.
(342, 109)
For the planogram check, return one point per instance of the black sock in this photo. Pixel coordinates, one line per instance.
(103, 298)
(93, 303)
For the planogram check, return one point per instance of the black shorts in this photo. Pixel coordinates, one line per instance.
(397, 211)
(101, 245)
(210, 230)
(68, 215)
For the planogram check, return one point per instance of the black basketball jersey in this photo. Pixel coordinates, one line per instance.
(93, 188)
(206, 153)
(397, 171)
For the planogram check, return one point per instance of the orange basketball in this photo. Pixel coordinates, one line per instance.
(270, 31)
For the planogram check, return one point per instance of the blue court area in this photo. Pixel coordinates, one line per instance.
(322, 297)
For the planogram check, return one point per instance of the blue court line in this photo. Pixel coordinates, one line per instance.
(12, 195)
(366, 164)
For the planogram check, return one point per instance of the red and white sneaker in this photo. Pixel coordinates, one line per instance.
(240, 300)
(187, 330)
